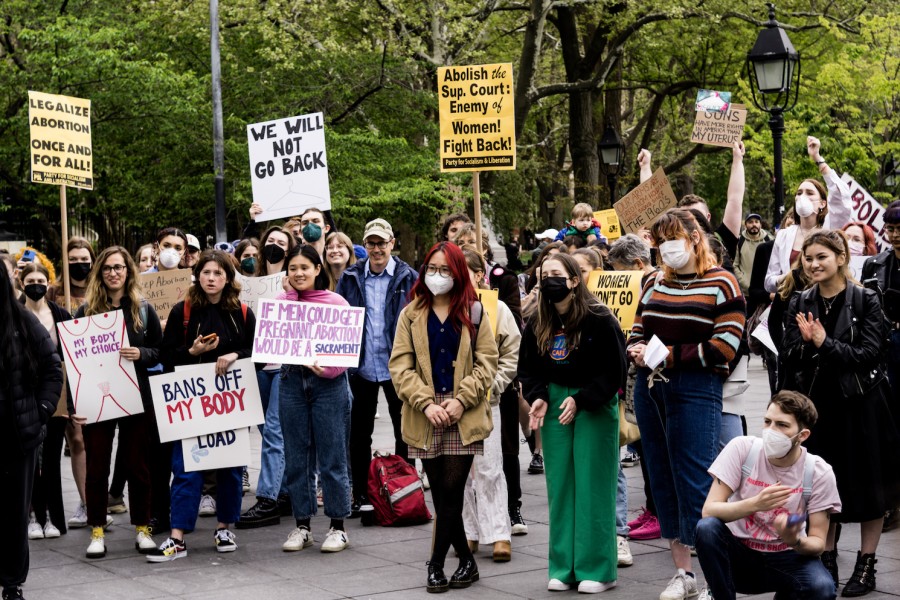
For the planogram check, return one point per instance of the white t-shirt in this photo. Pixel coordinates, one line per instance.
(756, 531)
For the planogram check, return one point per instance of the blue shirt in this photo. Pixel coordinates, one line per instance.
(443, 345)
(376, 349)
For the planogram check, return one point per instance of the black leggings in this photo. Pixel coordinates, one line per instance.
(47, 495)
(448, 475)
(509, 441)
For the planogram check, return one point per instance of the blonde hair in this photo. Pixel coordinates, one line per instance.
(97, 296)
(835, 241)
(475, 262)
(345, 241)
(582, 209)
(680, 223)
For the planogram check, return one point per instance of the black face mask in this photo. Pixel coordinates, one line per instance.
(248, 265)
(273, 254)
(312, 233)
(554, 289)
(35, 291)
(79, 271)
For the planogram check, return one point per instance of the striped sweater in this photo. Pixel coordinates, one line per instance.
(701, 325)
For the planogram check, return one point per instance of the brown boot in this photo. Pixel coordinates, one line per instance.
(502, 551)
(473, 546)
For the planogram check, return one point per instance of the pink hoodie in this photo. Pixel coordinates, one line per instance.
(322, 297)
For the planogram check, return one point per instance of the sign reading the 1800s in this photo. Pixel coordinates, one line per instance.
(478, 129)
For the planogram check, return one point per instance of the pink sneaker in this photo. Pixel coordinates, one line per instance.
(649, 530)
(642, 518)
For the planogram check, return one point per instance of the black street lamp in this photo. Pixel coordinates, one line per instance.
(776, 76)
(891, 174)
(611, 149)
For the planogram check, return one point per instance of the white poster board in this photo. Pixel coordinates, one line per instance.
(220, 450)
(762, 332)
(868, 210)
(254, 288)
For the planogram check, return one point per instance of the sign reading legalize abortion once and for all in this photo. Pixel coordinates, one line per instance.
(720, 128)
(288, 166)
(104, 385)
(305, 333)
(60, 140)
(195, 401)
(609, 223)
(620, 291)
(868, 210)
(254, 288)
(478, 128)
(165, 289)
(643, 205)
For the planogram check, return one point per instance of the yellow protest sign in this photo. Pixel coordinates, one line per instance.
(720, 128)
(60, 140)
(620, 291)
(609, 223)
(644, 204)
(478, 129)
(489, 300)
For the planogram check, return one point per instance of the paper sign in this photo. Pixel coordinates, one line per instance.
(303, 333)
(713, 101)
(254, 288)
(60, 140)
(762, 332)
(856, 266)
(609, 223)
(723, 129)
(104, 385)
(643, 205)
(620, 291)
(220, 450)
(288, 166)
(165, 289)
(655, 353)
(868, 210)
(478, 127)
(196, 401)
(489, 299)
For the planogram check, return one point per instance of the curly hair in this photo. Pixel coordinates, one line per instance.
(97, 295)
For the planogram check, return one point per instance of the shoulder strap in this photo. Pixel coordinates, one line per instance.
(752, 457)
(144, 312)
(187, 316)
(809, 469)
(475, 314)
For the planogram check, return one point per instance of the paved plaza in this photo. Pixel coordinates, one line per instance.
(380, 563)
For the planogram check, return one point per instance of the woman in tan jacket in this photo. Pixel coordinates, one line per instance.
(443, 377)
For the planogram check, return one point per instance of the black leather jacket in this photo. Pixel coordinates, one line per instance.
(876, 267)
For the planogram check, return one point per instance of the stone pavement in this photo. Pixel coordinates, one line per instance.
(380, 563)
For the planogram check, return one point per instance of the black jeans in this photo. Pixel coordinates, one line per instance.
(17, 474)
(509, 442)
(48, 496)
(362, 423)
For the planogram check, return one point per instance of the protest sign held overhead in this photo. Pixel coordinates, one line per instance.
(478, 130)
(288, 166)
(304, 333)
(254, 288)
(195, 401)
(719, 128)
(60, 140)
(104, 385)
(643, 205)
(609, 223)
(868, 210)
(713, 101)
(219, 450)
(165, 289)
(620, 291)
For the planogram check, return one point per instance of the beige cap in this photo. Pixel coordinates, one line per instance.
(380, 228)
(193, 242)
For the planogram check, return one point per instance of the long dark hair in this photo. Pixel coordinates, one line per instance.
(462, 296)
(230, 293)
(322, 280)
(16, 342)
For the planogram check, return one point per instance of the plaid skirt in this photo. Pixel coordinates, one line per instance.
(446, 440)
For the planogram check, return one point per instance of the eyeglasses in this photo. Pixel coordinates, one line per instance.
(442, 271)
(379, 245)
(119, 269)
(892, 229)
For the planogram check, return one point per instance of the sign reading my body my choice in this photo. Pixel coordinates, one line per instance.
(60, 140)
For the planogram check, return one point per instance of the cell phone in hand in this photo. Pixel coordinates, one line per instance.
(209, 338)
(796, 519)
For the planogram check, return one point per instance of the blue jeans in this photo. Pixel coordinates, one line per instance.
(314, 416)
(622, 503)
(271, 470)
(731, 428)
(679, 422)
(730, 567)
(187, 489)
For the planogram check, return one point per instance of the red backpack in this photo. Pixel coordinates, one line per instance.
(396, 493)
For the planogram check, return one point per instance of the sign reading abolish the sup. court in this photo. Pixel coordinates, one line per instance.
(478, 129)
(254, 288)
(195, 401)
(304, 333)
(288, 166)
(620, 291)
(720, 128)
(643, 205)
(868, 210)
(165, 289)
(60, 140)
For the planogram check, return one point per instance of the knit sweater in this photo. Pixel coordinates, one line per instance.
(700, 320)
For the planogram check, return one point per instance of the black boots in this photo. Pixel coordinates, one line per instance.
(465, 575)
(863, 579)
(829, 559)
(262, 514)
(437, 581)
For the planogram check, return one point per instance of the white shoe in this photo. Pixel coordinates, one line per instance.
(423, 476)
(143, 543)
(50, 530)
(35, 531)
(595, 587)
(97, 547)
(624, 552)
(207, 506)
(79, 519)
(335, 541)
(109, 522)
(555, 585)
(680, 587)
(224, 539)
(298, 539)
(705, 595)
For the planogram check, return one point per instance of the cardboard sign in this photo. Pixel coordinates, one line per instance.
(713, 101)
(104, 385)
(254, 288)
(220, 450)
(288, 166)
(620, 291)
(868, 210)
(60, 140)
(478, 128)
(165, 289)
(643, 205)
(196, 401)
(609, 223)
(489, 299)
(303, 333)
(714, 128)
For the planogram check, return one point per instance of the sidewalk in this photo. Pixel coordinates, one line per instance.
(380, 563)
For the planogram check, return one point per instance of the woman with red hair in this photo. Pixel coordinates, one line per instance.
(861, 239)
(442, 366)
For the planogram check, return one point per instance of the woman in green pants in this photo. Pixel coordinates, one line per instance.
(572, 366)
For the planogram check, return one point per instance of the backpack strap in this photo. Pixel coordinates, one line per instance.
(752, 457)
(475, 314)
(809, 469)
(187, 317)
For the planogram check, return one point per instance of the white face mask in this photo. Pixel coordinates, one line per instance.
(674, 253)
(803, 206)
(438, 284)
(169, 258)
(776, 444)
(856, 248)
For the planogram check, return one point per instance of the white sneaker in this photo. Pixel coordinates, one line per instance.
(97, 547)
(705, 595)
(207, 506)
(624, 552)
(143, 543)
(335, 541)
(35, 531)
(681, 586)
(555, 585)
(109, 522)
(79, 519)
(595, 587)
(423, 476)
(224, 539)
(50, 530)
(298, 539)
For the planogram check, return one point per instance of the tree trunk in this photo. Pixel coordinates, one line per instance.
(583, 148)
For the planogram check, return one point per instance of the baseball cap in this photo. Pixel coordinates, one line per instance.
(193, 242)
(752, 216)
(548, 234)
(380, 228)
